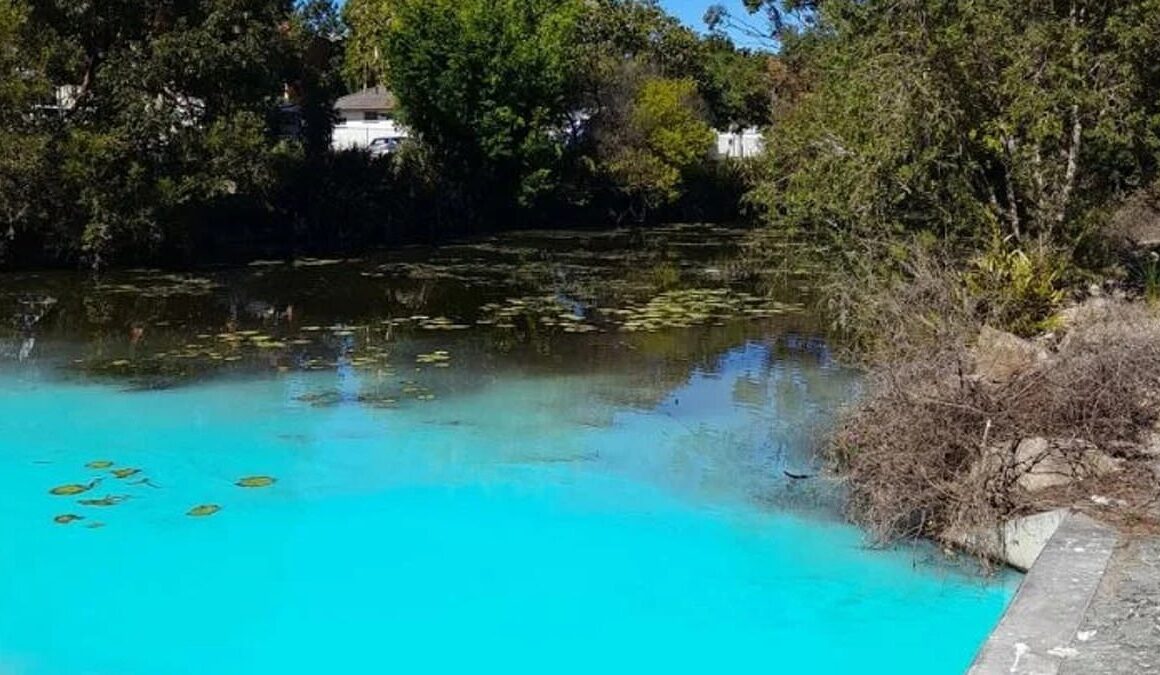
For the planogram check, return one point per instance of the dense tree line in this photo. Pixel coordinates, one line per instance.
(189, 129)
(126, 123)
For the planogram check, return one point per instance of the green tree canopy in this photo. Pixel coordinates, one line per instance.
(367, 23)
(149, 113)
(733, 84)
(23, 84)
(486, 84)
(1015, 118)
(651, 144)
(737, 86)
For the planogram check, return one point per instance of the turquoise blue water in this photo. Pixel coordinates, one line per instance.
(525, 520)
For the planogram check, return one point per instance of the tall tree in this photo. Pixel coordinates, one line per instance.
(23, 85)
(314, 70)
(485, 84)
(368, 23)
(1014, 118)
(737, 86)
(651, 142)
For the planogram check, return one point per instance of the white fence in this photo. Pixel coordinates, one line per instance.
(360, 134)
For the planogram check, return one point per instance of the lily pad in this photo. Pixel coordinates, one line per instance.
(255, 481)
(203, 510)
(73, 488)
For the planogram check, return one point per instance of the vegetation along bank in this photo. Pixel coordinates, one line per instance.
(980, 182)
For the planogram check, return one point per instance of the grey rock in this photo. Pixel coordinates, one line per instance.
(1044, 464)
(1001, 356)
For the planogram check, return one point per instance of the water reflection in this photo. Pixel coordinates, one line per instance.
(530, 290)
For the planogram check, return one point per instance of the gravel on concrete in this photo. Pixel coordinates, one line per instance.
(1039, 632)
(1120, 632)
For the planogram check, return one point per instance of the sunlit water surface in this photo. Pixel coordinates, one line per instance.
(624, 514)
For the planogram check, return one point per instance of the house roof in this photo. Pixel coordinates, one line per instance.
(371, 98)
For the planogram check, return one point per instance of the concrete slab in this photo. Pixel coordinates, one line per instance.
(1038, 632)
(1120, 634)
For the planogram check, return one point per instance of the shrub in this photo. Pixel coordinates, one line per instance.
(656, 142)
(914, 448)
(1020, 288)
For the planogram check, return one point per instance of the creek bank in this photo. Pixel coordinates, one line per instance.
(1085, 515)
(1052, 470)
(959, 439)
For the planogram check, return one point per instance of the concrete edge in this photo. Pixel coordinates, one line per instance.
(1036, 633)
(1017, 543)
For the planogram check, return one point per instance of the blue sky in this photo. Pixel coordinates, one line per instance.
(692, 12)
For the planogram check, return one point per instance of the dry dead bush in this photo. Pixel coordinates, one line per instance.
(1137, 220)
(922, 307)
(930, 445)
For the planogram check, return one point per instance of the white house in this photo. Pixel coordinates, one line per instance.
(364, 116)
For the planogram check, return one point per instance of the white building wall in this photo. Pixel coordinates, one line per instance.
(740, 144)
(352, 131)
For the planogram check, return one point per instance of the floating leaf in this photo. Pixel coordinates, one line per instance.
(204, 510)
(99, 464)
(66, 518)
(255, 482)
(74, 488)
(108, 500)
